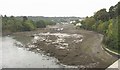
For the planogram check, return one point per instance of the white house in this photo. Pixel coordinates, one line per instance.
(78, 25)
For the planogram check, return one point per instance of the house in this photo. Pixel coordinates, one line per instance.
(78, 25)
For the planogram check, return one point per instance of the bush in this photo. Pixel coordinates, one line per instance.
(40, 24)
(28, 25)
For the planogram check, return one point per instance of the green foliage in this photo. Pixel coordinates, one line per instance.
(44, 23)
(102, 15)
(40, 24)
(49, 22)
(114, 11)
(28, 25)
(100, 27)
(106, 23)
(111, 37)
(24, 18)
(88, 23)
(118, 33)
(13, 24)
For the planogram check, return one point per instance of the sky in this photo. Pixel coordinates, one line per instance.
(52, 8)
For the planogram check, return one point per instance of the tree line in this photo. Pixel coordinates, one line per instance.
(106, 23)
(13, 24)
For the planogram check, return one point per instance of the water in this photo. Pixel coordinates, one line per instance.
(14, 57)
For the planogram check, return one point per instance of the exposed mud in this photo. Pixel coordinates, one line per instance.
(76, 47)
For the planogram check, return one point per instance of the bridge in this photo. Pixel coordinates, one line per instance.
(114, 66)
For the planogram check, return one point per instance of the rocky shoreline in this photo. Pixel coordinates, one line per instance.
(70, 46)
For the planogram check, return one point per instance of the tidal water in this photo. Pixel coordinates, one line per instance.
(14, 57)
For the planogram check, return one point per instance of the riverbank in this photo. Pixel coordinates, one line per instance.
(111, 51)
(15, 57)
(85, 51)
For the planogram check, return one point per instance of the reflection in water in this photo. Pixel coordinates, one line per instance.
(14, 57)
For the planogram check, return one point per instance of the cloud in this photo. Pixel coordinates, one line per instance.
(80, 8)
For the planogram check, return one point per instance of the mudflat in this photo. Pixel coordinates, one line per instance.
(71, 46)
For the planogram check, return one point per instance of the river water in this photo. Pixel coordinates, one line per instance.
(15, 57)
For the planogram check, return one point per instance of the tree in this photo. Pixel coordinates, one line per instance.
(102, 15)
(40, 24)
(28, 25)
(100, 27)
(88, 23)
(24, 18)
(112, 12)
(110, 28)
(111, 37)
(117, 10)
(106, 23)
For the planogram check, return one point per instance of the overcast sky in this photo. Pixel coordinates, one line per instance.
(79, 8)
